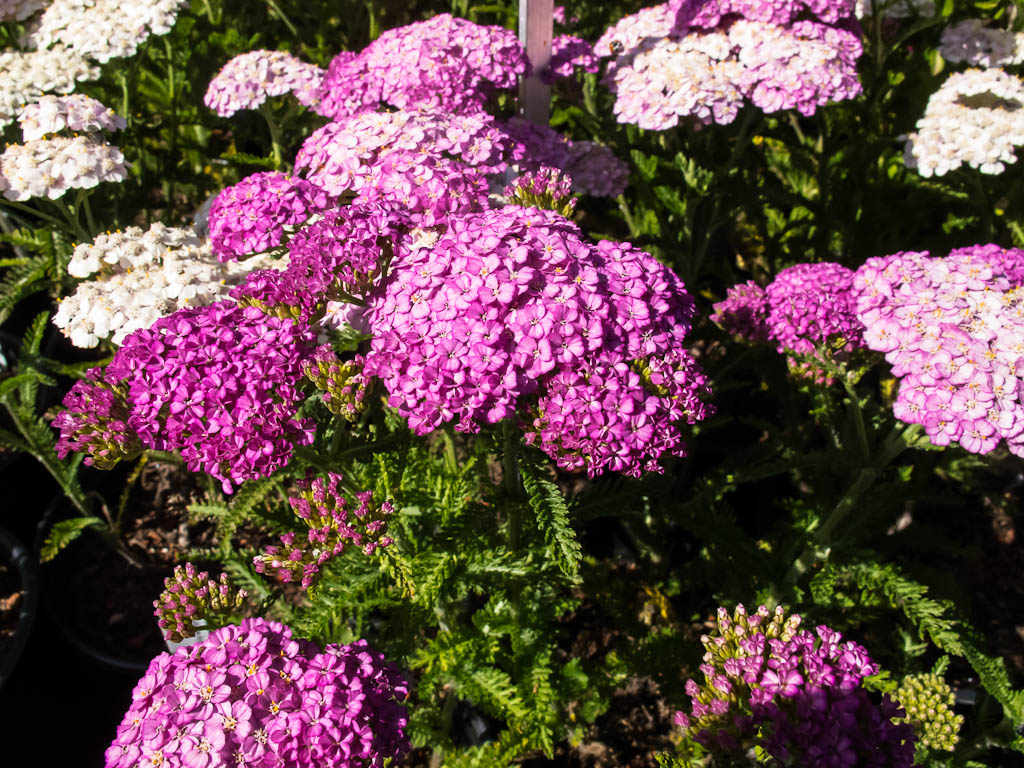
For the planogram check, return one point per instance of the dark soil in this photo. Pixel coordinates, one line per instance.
(10, 604)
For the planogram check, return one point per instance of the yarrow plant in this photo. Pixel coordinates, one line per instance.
(30, 74)
(953, 330)
(807, 310)
(445, 64)
(547, 188)
(218, 383)
(928, 701)
(512, 304)
(794, 695)
(247, 80)
(706, 59)
(76, 112)
(252, 216)
(138, 277)
(972, 42)
(254, 695)
(191, 600)
(331, 525)
(975, 118)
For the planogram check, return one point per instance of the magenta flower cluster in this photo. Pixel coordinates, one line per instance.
(808, 310)
(253, 695)
(953, 330)
(795, 694)
(707, 14)
(331, 524)
(511, 305)
(95, 422)
(569, 54)
(220, 384)
(251, 216)
(335, 258)
(445, 64)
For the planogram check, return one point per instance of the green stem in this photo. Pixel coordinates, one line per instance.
(275, 136)
(280, 14)
(510, 482)
(858, 421)
(29, 209)
(627, 215)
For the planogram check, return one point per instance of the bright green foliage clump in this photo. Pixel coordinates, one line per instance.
(928, 700)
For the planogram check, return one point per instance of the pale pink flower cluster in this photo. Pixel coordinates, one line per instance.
(19, 10)
(75, 112)
(972, 42)
(27, 75)
(953, 330)
(726, 54)
(247, 80)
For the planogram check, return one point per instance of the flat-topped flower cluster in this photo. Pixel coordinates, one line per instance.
(254, 695)
(953, 329)
(807, 310)
(705, 59)
(796, 695)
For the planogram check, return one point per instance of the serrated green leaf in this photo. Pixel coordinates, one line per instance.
(553, 519)
(64, 532)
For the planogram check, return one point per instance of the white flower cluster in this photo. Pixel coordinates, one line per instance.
(102, 29)
(76, 112)
(28, 75)
(976, 117)
(19, 10)
(142, 276)
(972, 42)
(247, 80)
(50, 167)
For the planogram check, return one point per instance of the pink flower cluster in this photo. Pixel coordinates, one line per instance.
(335, 258)
(326, 512)
(191, 597)
(95, 422)
(510, 304)
(796, 695)
(953, 330)
(343, 155)
(75, 112)
(706, 59)
(807, 310)
(218, 383)
(252, 695)
(247, 80)
(445, 64)
(568, 54)
(342, 381)
(546, 188)
(251, 216)
(593, 168)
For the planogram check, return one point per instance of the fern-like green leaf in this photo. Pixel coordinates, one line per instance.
(553, 519)
(64, 532)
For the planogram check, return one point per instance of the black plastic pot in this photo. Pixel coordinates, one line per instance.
(13, 551)
(65, 581)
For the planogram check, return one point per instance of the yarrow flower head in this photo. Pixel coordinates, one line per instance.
(191, 599)
(102, 29)
(19, 10)
(546, 188)
(50, 167)
(95, 422)
(928, 701)
(247, 80)
(808, 311)
(253, 694)
(794, 694)
(76, 112)
(139, 277)
(953, 330)
(704, 60)
(332, 522)
(975, 118)
(972, 42)
(30, 74)
(220, 384)
(253, 215)
(342, 381)
(511, 305)
(569, 54)
(445, 64)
